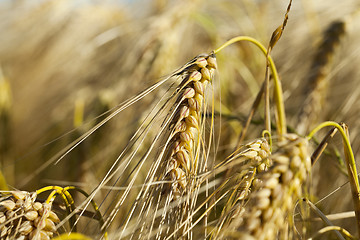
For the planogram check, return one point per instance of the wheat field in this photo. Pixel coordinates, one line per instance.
(179, 119)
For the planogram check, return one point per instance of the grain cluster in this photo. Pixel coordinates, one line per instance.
(186, 123)
(23, 218)
(257, 161)
(268, 212)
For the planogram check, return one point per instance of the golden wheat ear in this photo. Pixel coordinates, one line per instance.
(176, 154)
(253, 160)
(278, 189)
(182, 155)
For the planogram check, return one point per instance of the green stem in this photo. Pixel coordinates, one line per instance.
(279, 101)
(350, 159)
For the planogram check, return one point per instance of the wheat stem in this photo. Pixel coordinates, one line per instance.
(278, 95)
(351, 164)
(333, 228)
(322, 216)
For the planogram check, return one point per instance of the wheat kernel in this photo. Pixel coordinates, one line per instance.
(262, 167)
(37, 206)
(192, 121)
(206, 74)
(53, 217)
(31, 215)
(49, 225)
(180, 175)
(180, 126)
(195, 76)
(263, 193)
(186, 136)
(19, 194)
(271, 183)
(283, 160)
(8, 204)
(249, 154)
(280, 168)
(184, 159)
(184, 112)
(256, 183)
(287, 177)
(212, 62)
(193, 104)
(201, 62)
(263, 203)
(199, 88)
(26, 228)
(268, 213)
(189, 93)
(253, 224)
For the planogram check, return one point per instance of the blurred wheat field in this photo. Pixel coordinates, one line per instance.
(120, 121)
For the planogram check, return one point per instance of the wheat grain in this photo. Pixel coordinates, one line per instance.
(257, 153)
(22, 217)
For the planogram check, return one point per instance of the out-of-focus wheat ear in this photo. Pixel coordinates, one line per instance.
(22, 217)
(269, 209)
(182, 157)
(317, 83)
(5, 105)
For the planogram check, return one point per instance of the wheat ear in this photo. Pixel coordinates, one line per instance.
(318, 78)
(257, 153)
(279, 188)
(253, 160)
(182, 157)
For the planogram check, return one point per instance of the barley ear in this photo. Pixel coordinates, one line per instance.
(279, 188)
(182, 157)
(317, 83)
(23, 217)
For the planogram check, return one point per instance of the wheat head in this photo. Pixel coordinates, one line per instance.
(279, 187)
(22, 217)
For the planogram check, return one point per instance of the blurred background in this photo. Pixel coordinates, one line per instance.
(63, 63)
